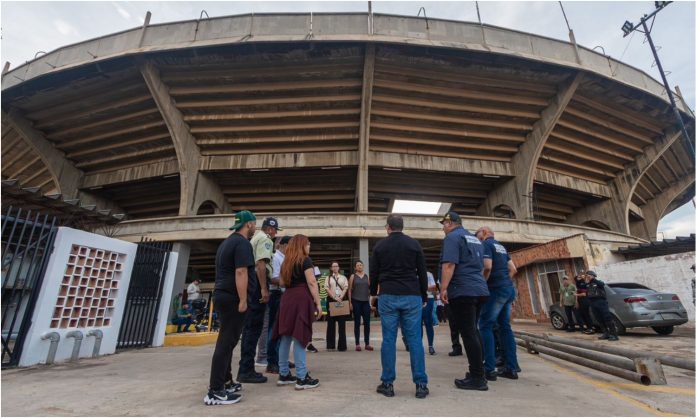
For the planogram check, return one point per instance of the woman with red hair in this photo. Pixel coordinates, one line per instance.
(299, 307)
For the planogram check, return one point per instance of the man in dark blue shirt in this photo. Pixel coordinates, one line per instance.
(464, 289)
(498, 270)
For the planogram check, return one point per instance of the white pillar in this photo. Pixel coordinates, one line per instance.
(177, 286)
(363, 250)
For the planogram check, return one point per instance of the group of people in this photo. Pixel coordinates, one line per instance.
(585, 295)
(252, 282)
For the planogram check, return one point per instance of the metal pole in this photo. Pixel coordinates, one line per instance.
(612, 360)
(616, 371)
(675, 109)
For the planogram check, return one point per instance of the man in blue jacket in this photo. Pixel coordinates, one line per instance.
(464, 289)
(498, 270)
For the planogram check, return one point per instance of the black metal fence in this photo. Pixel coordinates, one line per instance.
(27, 242)
(144, 295)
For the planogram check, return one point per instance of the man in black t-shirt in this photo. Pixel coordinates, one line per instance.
(235, 284)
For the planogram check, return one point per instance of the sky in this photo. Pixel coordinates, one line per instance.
(30, 27)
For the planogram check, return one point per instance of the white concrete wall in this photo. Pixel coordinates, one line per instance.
(669, 273)
(166, 300)
(35, 349)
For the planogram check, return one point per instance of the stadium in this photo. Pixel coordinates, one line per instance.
(325, 120)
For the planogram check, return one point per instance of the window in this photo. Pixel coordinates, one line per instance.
(532, 291)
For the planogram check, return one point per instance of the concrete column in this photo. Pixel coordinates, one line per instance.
(515, 192)
(361, 186)
(184, 252)
(364, 252)
(196, 187)
(656, 208)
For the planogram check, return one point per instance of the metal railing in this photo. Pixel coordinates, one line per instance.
(27, 242)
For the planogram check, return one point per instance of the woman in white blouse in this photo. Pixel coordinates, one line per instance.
(337, 291)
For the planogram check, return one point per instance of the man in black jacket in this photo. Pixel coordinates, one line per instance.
(597, 296)
(397, 270)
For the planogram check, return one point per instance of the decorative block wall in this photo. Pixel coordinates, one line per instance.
(84, 288)
(89, 289)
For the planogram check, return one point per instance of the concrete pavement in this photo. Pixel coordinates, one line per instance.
(173, 380)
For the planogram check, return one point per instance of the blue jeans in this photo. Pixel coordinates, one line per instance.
(435, 321)
(272, 346)
(497, 310)
(406, 311)
(284, 354)
(428, 321)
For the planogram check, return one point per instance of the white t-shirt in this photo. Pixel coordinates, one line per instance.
(277, 262)
(193, 291)
(431, 282)
(342, 287)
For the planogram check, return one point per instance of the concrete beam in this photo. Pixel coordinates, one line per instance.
(137, 173)
(361, 187)
(524, 163)
(356, 225)
(273, 161)
(655, 209)
(627, 181)
(64, 173)
(574, 183)
(441, 164)
(196, 187)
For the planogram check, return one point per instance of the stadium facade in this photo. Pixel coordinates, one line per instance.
(323, 120)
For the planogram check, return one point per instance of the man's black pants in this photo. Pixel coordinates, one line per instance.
(231, 324)
(253, 326)
(584, 304)
(467, 310)
(454, 329)
(600, 307)
(569, 316)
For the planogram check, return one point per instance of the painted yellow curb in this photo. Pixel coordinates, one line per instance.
(190, 339)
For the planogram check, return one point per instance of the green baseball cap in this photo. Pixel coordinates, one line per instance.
(240, 218)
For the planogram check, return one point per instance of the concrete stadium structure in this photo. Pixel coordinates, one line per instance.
(323, 120)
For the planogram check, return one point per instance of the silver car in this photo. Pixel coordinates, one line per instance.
(633, 305)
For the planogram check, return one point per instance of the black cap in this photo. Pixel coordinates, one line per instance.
(591, 273)
(273, 222)
(285, 240)
(451, 216)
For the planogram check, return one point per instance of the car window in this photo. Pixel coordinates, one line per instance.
(628, 286)
(632, 291)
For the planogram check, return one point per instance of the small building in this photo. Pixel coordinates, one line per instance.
(663, 266)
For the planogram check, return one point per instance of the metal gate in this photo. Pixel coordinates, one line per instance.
(27, 242)
(144, 295)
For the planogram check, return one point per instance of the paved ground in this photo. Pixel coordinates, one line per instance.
(173, 380)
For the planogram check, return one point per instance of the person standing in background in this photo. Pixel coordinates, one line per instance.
(337, 291)
(359, 296)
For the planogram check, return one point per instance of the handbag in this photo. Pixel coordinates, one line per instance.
(339, 308)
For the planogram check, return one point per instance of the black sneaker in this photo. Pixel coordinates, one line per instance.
(272, 368)
(508, 374)
(604, 336)
(613, 338)
(311, 349)
(491, 376)
(289, 379)
(306, 383)
(588, 331)
(456, 352)
(421, 391)
(431, 351)
(221, 397)
(386, 389)
(232, 387)
(252, 378)
(471, 383)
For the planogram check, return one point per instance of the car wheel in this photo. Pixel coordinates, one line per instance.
(620, 329)
(557, 321)
(664, 330)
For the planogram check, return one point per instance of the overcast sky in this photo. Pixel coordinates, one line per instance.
(29, 27)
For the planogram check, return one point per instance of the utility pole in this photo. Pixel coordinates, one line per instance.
(629, 27)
